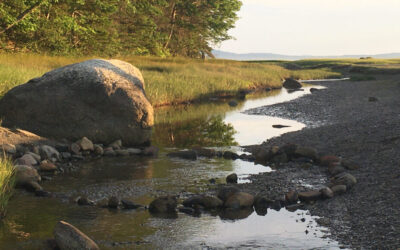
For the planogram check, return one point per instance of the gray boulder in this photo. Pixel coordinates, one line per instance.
(101, 99)
(70, 237)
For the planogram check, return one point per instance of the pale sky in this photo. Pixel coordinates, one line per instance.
(316, 27)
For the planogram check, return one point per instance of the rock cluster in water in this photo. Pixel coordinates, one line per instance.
(34, 163)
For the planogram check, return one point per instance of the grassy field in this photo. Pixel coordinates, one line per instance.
(6, 182)
(169, 80)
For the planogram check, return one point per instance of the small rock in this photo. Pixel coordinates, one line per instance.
(344, 179)
(350, 165)
(184, 154)
(291, 83)
(164, 204)
(312, 90)
(85, 144)
(232, 178)
(116, 144)
(233, 103)
(327, 193)
(25, 174)
(208, 202)
(230, 155)
(226, 192)
(69, 237)
(339, 189)
(328, 160)
(122, 152)
(307, 152)
(127, 204)
(27, 159)
(113, 202)
(8, 148)
(47, 166)
(134, 151)
(239, 200)
(291, 197)
(98, 150)
(75, 149)
(48, 152)
(280, 126)
(310, 195)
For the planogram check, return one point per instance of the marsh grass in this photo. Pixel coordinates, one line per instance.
(7, 181)
(168, 80)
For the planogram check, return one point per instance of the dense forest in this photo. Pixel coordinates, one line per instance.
(109, 27)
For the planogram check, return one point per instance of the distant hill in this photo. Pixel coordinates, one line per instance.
(270, 56)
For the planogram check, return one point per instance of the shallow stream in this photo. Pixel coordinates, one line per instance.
(30, 220)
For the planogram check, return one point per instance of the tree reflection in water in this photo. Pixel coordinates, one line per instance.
(209, 131)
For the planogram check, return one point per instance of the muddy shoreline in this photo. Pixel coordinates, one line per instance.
(344, 120)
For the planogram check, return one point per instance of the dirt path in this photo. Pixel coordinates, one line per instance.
(343, 120)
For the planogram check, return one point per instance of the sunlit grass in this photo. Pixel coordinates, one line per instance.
(168, 80)
(6, 182)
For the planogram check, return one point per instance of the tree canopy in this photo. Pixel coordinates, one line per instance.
(151, 27)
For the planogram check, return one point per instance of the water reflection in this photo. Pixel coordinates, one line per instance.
(204, 131)
(217, 124)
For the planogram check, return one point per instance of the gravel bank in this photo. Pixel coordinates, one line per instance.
(343, 120)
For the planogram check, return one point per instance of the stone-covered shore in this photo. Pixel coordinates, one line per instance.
(359, 122)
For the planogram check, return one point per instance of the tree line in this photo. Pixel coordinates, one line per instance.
(141, 27)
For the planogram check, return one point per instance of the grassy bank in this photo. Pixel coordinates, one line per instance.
(6, 182)
(171, 80)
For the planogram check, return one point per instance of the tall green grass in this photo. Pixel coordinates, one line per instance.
(6, 182)
(168, 80)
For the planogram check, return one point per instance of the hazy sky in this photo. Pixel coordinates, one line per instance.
(317, 27)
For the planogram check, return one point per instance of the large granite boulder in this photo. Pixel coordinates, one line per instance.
(103, 100)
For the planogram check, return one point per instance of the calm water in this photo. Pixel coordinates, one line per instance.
(30, 220)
